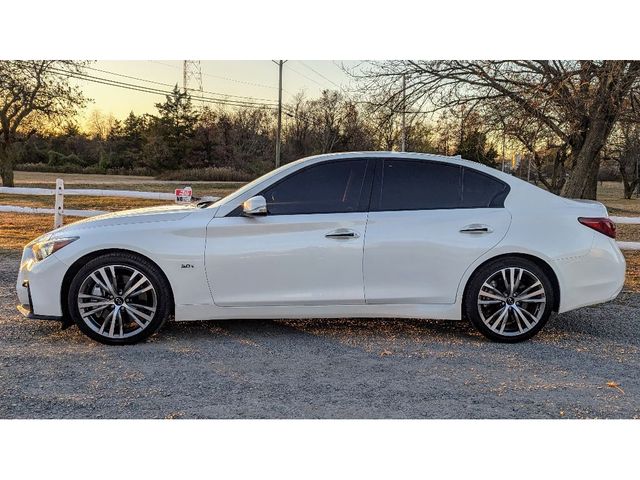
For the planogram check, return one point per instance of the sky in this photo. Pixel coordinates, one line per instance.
(233, 80)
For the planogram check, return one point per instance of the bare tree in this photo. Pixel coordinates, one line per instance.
(577, 102)
(624, 150)
(28, 89)
(100, 124)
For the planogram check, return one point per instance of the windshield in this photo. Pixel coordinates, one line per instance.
(252, 184)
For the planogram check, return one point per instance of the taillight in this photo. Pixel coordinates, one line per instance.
(603, 225)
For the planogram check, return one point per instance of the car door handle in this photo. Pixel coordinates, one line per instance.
(342, 233)
(476, 228)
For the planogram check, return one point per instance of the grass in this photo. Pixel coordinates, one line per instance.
(632, 280)
(627, 233)
(80, 202)
(16, 230)
(611, 194)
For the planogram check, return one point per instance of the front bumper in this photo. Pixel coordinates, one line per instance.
(27, 313)
(26, 309)
(39, 286)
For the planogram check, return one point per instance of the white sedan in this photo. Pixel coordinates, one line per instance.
(367, 234)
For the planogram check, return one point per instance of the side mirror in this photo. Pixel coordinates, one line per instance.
(254, 206)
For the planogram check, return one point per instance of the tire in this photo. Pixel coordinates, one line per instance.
(123, 312)
(504, 314)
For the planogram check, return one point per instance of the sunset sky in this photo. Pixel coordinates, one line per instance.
(235, 79)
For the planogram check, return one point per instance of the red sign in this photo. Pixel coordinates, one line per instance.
(183, 194)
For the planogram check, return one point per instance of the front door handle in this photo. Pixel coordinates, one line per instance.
(342, 233)
(476, 228)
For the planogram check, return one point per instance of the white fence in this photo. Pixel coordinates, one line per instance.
(59, 212)
(59, 192)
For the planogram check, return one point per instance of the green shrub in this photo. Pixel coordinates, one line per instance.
(93, 169)
(73, 159)
(56, 159)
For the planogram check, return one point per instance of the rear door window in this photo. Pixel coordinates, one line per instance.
(419, 185)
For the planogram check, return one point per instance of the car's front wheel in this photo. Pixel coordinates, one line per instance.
(119, 298)
(509, 299)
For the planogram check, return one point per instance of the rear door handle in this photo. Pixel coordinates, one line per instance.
(476, 228)
(342, 233)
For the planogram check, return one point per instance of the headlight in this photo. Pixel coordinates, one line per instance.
(42, 249)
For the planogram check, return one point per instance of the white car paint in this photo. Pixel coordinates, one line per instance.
(409, 255)
(401, 264)
(285, 260)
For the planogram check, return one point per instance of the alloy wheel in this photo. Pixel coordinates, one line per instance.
(117, 301)
(512, 301)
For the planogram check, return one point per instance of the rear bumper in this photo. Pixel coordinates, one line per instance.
(596, 277)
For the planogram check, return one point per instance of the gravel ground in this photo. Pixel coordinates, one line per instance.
(323, 368)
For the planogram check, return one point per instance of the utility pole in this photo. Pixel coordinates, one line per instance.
(638, 175)
(404, 112)
(503, 158)
(280, 63)
(185, 67)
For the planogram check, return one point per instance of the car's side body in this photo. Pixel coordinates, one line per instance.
(401, 263)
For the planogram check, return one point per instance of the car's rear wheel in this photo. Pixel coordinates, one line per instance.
(119, 299)
(510, 299)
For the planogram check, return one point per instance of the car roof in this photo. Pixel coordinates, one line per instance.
(456, 159)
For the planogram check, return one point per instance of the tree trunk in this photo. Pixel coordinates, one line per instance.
(627, 183)
(583, 178)
(6, 166)
(591, 182)
(6, 172)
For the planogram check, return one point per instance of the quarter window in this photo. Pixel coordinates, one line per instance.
(333, 187)
(482, 191)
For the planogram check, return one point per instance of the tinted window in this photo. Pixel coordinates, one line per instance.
(482, 191)
(325, 188)
(419, 185)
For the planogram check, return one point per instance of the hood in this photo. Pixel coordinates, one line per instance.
(163, 213)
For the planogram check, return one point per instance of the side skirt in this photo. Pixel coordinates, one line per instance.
(212, 312)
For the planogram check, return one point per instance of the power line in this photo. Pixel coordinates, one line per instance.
(157, 91)
(319, 74)
(164, 92)
(140, 79)
(221, 77)
(305, 76)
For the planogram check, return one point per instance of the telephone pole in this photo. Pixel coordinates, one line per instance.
(503, 157)
(280, 63)
(404, 112)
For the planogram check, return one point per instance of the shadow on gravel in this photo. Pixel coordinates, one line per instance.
(331, 368)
